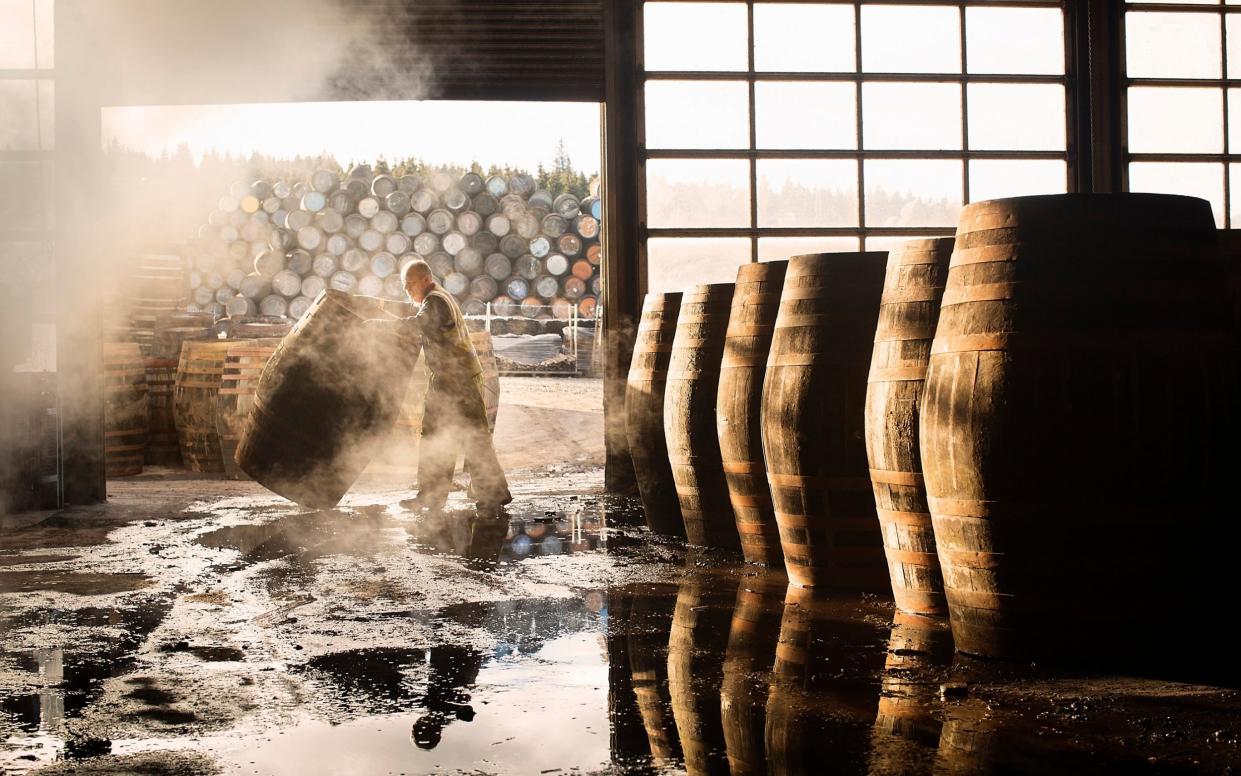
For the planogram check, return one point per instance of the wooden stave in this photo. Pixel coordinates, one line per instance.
(1002, 601)
(644, 412)
(739, 405)
(824, 545)
(650, 622)
(244, 362)
(906, 727)
(316, 466)
(913, 285)
(199, 373)
(125, 409)
(689, 417)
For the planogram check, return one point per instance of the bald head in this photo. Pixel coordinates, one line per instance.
(418, 280)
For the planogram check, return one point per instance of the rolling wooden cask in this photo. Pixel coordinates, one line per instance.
(243, 365)
(824, 685)
(814, 395)
(650, 620)
(751, 320)
(163, 449)
(689, 417)
(124, 410)
(342, 374)
(644, 412)
(916, 274)
(1074, 427)
(751, 650)
(195, 396)
(700, 625)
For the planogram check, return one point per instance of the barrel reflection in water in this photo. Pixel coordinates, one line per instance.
(825, 688)
(700, 628)
(650, 621)
(747, 665)
(906, 732)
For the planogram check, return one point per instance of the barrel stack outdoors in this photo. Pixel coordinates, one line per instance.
(1075, 430)
(689, 417)
(243, 366)
(195, 397)
(124, 410)
(700, 626)
(916, 274)
(751, 650)
(326, 401)
(756, 300)
(644, 412)
(812, 419)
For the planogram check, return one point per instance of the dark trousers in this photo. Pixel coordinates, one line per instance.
(455, 422)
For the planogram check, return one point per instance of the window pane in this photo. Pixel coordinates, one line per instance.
(19, 120)
(1026, 117)
(805, 115)
(910, 192)
(16, 35)
(1014, 40)
(779, 248)
(1234, 199)
(1197, 179)
(807, 192)
(1234, 115)
(695, 36)
(46, 40)
(23, 195)
(811, 38)
(1233, 34)
(905, 39)
(996, 178)
(884, 243)
(691, 114)
(1176, 120)
(911, 116)
(676, 263)
(697, 192)
(1172, 45)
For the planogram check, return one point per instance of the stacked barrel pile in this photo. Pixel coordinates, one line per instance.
(1012, 429)
(271, 247)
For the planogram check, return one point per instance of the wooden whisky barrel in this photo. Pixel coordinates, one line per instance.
(243, 365)
(124, 410)
(163, 449)
(751, 650)
(650, 621)
(644, 412)
(739, 408)
(689, 417)
(333, 369)
(906, 728)
(700, 625)
(915, 279)
(812, 414)
(195, 396)
(1074, 434)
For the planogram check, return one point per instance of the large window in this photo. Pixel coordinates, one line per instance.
(1183, 64)
(773, 129)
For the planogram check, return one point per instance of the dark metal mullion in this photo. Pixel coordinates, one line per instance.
(859, 125)
(749, 6)
(980, 3)
(819, 153)
(965, 112)
(793, 231)
(1223, 70)
(1183, 83)
(1154, 156)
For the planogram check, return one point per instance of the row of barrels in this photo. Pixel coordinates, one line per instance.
(193, 410)
(763, 677)
(1008, 427)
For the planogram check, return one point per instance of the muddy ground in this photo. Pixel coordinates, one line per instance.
(200, 626)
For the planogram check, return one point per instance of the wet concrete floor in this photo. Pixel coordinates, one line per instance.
(200, 627)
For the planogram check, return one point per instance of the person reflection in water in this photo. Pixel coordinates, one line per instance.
(453, 672)
(455, 418)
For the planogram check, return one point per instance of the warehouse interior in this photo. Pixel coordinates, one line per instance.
(883, 379)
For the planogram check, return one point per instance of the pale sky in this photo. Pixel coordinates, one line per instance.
(521, 134)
